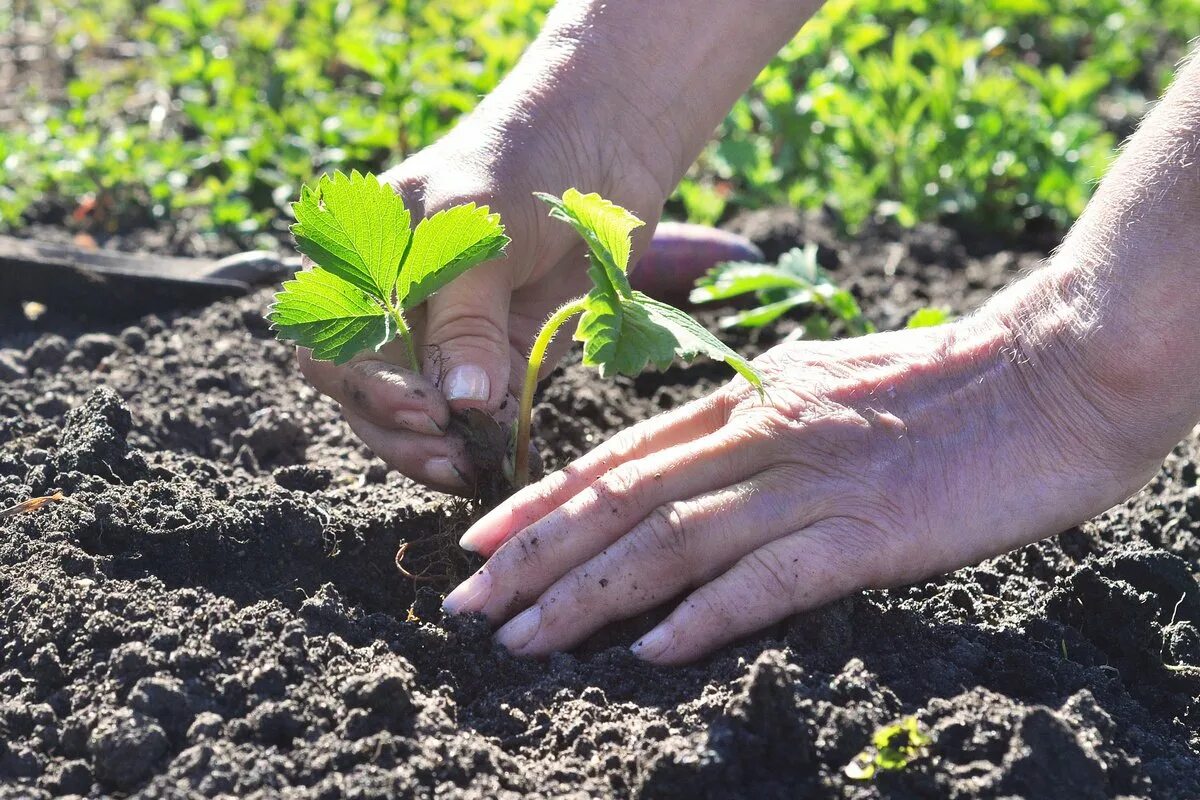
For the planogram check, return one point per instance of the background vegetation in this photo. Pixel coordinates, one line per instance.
(207, 114)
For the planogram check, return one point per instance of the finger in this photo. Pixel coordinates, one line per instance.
(805, 570)
(437, 461)
(680, 545)
(467, 348)
(598, 516)
(684, 424)
(379, 391)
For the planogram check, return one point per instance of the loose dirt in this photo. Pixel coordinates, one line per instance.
(216, 609)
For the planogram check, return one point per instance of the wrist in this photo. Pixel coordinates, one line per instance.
(1047, 337)
(656, 81)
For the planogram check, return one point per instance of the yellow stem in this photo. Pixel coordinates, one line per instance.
(537, 354)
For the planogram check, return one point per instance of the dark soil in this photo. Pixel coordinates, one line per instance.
(216, 609)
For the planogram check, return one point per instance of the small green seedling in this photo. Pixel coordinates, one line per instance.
(892, 748)
(622, 330)
(929, 317)
(796, 281)
(372, 266)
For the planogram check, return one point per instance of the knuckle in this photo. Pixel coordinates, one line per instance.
(619, 486)
(773, 573)
(519, 555)
(854, 553)
(468, 327)
(665, 531)
(709, 607)
(770, 422)
(366, 387)
(626, 444)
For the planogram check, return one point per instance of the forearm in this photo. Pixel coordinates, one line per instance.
(659, 75)
(1118, 304)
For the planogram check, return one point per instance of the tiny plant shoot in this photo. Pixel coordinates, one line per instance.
(372, 266)
(929, 317)
(892, 748)
(622, 330)
(796, 281)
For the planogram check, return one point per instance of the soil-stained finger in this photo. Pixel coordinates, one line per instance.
(385, 394)
(678, 546)
(799, 572)
(436, 461)
(602, 513)
(684, 424)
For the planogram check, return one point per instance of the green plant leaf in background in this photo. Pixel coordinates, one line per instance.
(893, 747)
(371, 266)
(796, 281)
(929, 317)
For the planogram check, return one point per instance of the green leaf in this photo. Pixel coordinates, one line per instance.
(622, 330)
(892, 748)
(793, 281)
(928, 317)
(842, 303)
(371, 266)
(767, 313)
(446, 245)
(621, 335)
(801, 262)
(321, 311)
(605, 226)
(356, 228)
(734, 278)
(692, 339)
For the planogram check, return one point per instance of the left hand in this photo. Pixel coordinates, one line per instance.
(874, 462)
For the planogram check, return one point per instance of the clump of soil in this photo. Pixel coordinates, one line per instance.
(216, 609)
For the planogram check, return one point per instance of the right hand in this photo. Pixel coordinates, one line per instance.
(473, 335)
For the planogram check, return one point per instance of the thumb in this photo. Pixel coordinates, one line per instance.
(467, 350)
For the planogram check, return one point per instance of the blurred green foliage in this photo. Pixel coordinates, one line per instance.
(209, 114)
(996, 112)
(218, 110)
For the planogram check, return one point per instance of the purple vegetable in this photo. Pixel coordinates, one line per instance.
(680, 253)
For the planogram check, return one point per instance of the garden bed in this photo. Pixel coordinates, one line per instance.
(217, 609)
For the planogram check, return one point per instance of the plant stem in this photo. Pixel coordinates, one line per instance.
(405, 334)
(525, 414)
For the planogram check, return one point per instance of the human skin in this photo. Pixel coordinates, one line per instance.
(609, 99)
(886, 459)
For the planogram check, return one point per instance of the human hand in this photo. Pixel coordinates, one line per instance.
(877, 461)
(473, 335)
(607, 99)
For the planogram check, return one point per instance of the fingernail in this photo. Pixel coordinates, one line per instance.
(473, 539)
(521, 629)
(470, 595)
(441, 470)
(654, 643)
(418, 422)
(467, 382)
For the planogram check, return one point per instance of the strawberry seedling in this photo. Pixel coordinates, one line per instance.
(622, 330)
(372, 266)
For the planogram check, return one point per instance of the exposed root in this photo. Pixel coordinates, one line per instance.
(438, 560)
